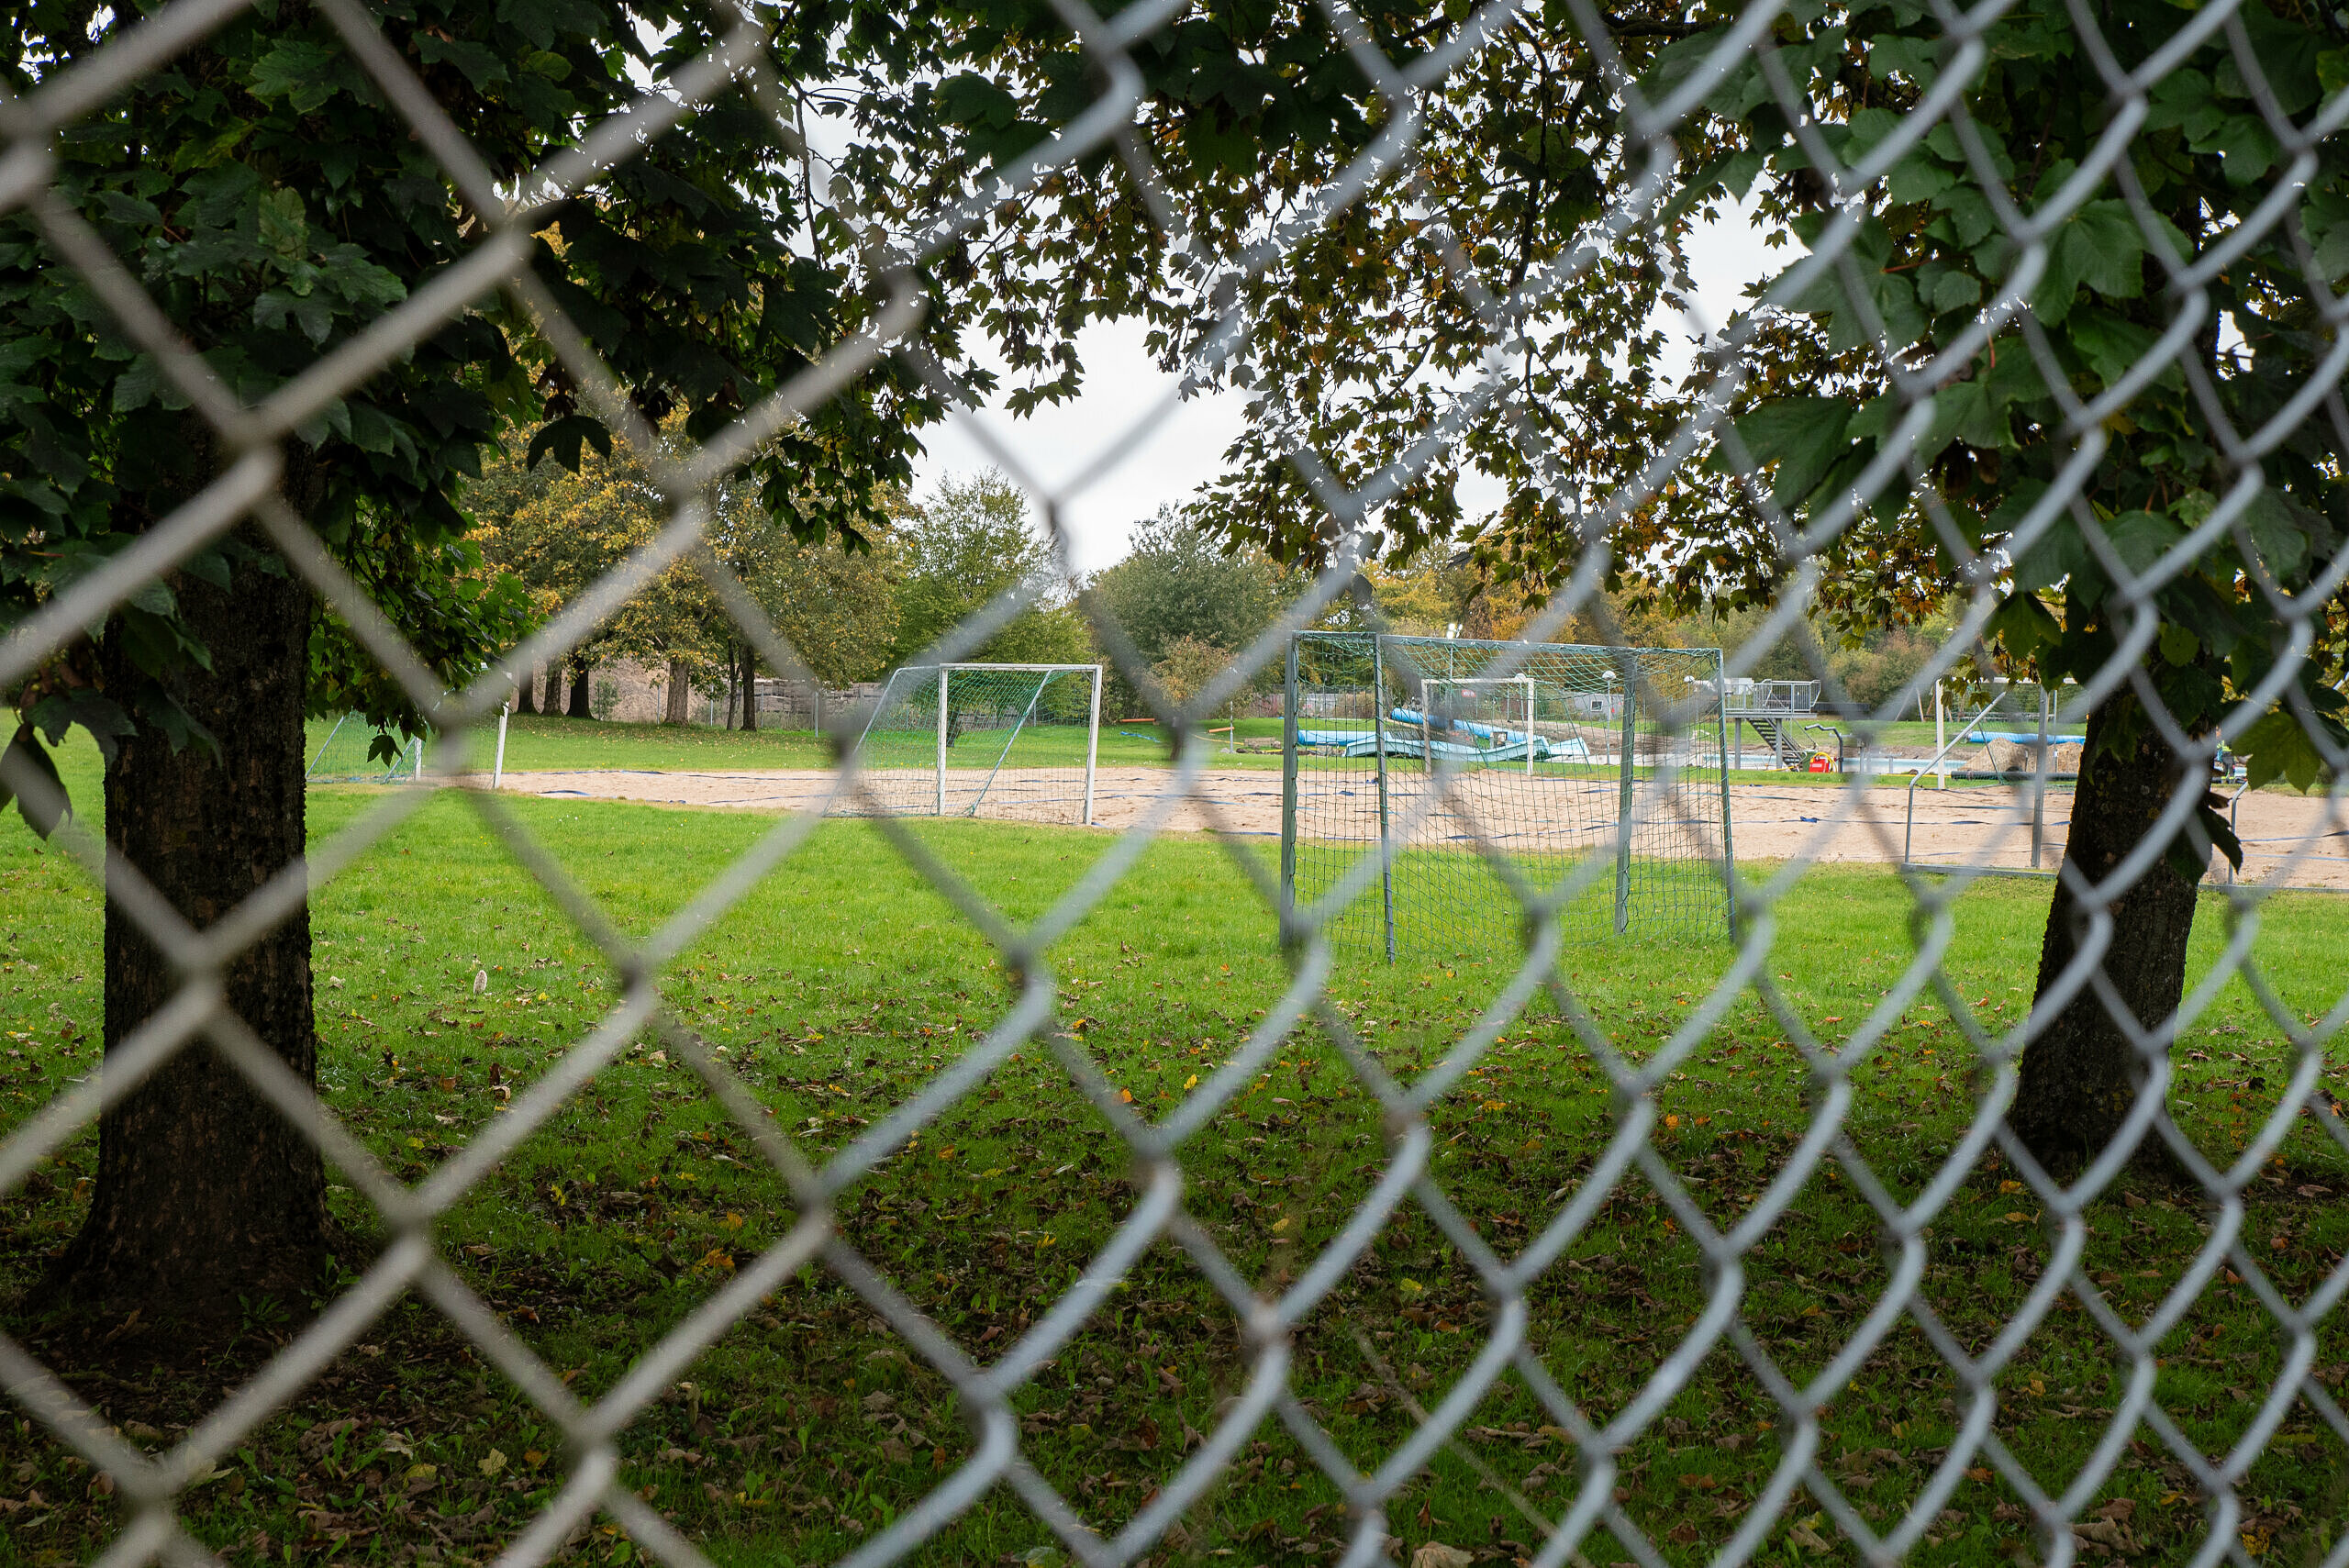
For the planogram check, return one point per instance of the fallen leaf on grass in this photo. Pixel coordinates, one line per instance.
(1435, 1554)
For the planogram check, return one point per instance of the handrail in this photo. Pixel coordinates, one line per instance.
(1908, 836)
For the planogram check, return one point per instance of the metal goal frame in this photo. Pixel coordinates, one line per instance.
(945, 673)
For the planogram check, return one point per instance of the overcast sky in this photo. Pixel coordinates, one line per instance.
(1183, 447)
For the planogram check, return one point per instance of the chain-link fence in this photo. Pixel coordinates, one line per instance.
(1811, 1314)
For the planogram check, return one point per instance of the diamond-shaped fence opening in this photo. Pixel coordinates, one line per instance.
(1532, 1095)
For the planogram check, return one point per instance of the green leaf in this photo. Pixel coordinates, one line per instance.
(30, 774)
(971, 100)
(2099, 245)
(564, 438)
(154, 596)
(138, 384)
(301, 72)
(478, 61)
(1954, 290)
(2112, 347)
(1803, 435)
(1916, 59)
(2276, 747)
(2142, 538)
(2212, 816)
(84, 705)
(2246, 147)
(2179, 643)
(283, 228)
(2279, 537)
(1917, 178)
(2053, 556)
(313, 313)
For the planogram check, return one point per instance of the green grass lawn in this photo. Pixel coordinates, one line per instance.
(545, 743)
(844, 982)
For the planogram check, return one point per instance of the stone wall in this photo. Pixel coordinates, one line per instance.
(623, 690)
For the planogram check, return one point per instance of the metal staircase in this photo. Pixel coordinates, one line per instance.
(1774, 708)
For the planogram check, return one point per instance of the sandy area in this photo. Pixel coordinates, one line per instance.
(1987, 828)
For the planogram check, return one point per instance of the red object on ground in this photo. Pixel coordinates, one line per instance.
(1820, 764)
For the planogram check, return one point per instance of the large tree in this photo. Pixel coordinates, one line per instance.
(1179, 581)
(262, 190)
(2171, 575)
(967, 545)
(1492, 306)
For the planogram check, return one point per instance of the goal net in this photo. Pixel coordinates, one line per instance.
(1015, 742)
(347, 749)
(1595, 774)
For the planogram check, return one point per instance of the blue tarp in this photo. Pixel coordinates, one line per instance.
(2025, 738)
(1363, 743)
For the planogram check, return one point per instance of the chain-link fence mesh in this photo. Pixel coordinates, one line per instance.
(1725, 1423)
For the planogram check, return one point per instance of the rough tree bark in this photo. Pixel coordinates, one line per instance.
(581, 672)
(526, 701)
(204, 1193)
(750, 690)
(2080, 1077)
(678, 709)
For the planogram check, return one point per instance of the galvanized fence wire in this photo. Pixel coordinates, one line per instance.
(251, 434)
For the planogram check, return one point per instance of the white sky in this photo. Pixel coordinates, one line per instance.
(1182, 448)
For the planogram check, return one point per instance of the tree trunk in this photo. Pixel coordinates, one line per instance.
(580, 672)
(750, 689)
(526, 700)
(2080, 1077)
(680, 694)
(204, 1193)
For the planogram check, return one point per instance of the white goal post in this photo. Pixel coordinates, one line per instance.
(1034, 729)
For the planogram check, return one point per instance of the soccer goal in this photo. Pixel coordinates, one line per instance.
(1601, 772)
(1015, 742)
(350, 754)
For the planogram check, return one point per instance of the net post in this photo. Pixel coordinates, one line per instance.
(1091, 746)
(497, 768)
(340, 719)
(1941, 740)
(942, 676)
(1427, 740)
(1378, 730)
(1721, 731)
(2039, 784)
(1623, 810)
(1527, 679)
(1288, 791)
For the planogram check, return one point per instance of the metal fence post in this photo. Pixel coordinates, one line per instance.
(1941, 741)
(943, 676)
(2039, 786)
(1289, 790)
(1728, 839)
(1092, 745)
(1629, 746)
(1378, 730)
